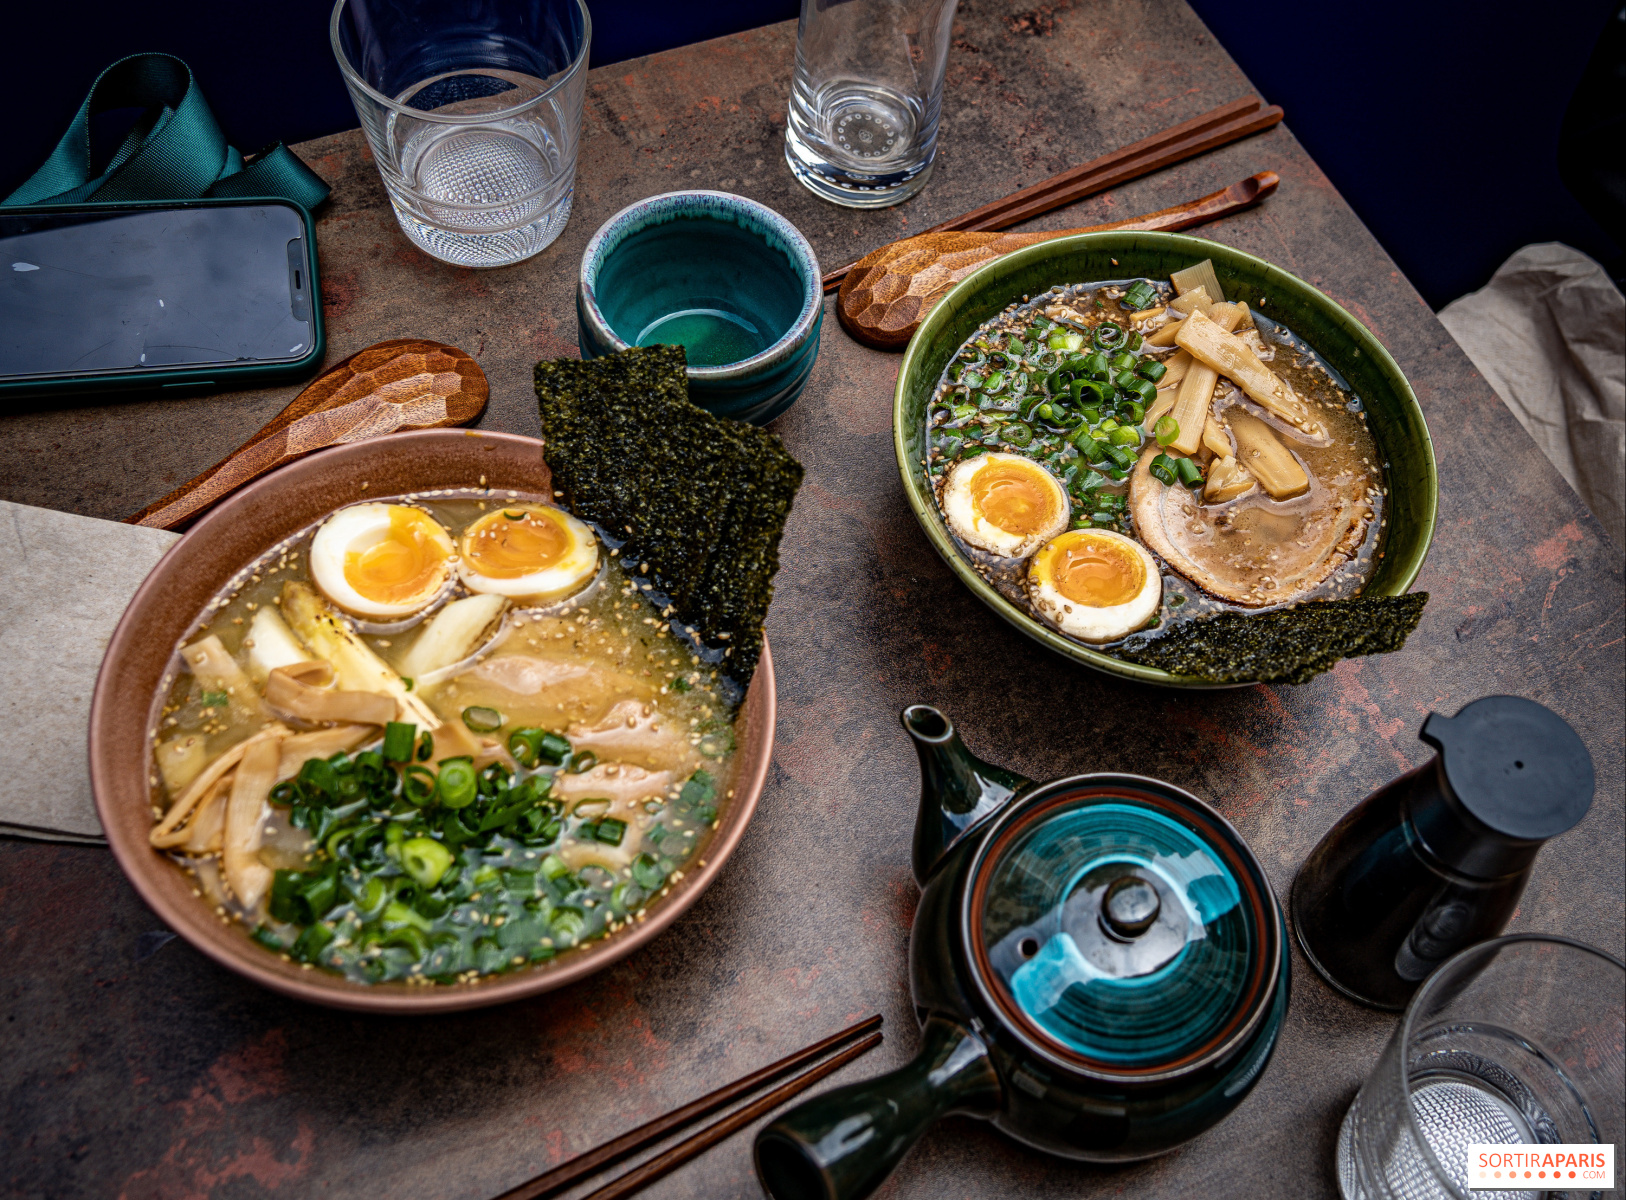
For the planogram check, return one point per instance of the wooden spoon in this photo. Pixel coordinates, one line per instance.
(402, 384)
(888, 293)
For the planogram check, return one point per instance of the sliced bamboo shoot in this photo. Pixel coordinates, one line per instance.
(1158, 410)
(319, 743)
(1176, 366)
(1197, 388)
(1214, 437)
(246, 875)
(303, 690)
(1258, 449)
(1164, 335)
(1200, 275)
(358, 668)
(199, 787)
(1213, 345)
(1227, 479)
(1196, 300)
(217, 671)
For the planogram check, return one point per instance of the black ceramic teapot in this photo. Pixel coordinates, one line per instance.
(1099, 965)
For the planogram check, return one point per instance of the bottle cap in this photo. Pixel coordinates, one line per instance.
(1513, 774)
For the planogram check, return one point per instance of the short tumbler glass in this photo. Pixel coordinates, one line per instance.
(866, 98)
(473, 111)
(1513, 1041)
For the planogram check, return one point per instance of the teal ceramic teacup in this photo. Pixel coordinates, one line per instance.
(730, 280)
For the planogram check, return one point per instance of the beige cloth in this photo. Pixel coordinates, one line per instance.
(65, 581)
(1548, 332)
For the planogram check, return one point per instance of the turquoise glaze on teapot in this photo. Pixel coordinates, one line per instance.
(1099, 965)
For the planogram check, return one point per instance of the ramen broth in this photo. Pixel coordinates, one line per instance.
(1036, 381)
(581, 752)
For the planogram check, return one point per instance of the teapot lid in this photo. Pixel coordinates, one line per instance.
(1125, 924)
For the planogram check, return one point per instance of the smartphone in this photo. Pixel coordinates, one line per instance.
(180, 297)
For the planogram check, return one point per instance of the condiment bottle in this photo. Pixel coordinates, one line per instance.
(1437, 859)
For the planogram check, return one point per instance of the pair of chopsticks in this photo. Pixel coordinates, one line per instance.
(1218, 127)
(864, 1036)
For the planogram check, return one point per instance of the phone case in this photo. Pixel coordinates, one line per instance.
(181, 381)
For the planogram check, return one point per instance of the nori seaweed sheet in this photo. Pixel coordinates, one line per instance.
(701, 499)
(1291, 645)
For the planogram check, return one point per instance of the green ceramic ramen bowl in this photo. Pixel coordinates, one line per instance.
(1393, 415)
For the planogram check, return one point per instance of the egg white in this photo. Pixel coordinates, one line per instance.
(960, 509)
(572, 572)
(1087, 622)
(357, 529)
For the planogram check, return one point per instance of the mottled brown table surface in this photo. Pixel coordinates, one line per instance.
(135, 1068)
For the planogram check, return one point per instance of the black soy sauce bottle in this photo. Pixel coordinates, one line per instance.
(1437, 859)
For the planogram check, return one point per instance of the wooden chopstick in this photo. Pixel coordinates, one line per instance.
(1215, 128)
(639, 1178)
(1145, 164)
(612, 1152)
(1067, 181)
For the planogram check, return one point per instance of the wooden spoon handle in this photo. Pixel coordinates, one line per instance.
(406, 383)
(1240, 195)
(888, 293)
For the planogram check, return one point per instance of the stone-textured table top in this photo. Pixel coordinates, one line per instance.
(136, 1068)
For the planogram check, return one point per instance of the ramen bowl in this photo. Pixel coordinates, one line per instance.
(1393, 415)
(166, 610)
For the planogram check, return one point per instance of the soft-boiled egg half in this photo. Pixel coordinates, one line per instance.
(381, 560)
(1004, 504)
(530, 552)
(1095, 585)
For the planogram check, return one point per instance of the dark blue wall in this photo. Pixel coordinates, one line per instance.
(1438, 119)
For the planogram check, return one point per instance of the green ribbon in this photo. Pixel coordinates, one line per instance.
(176, 151)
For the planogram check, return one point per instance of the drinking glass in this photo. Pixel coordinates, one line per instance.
(866, 97)
(1513, 1041)
(473, 111)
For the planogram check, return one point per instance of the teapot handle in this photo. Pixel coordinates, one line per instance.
(842, 1145)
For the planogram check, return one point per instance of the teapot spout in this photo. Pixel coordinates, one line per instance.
(957, 789)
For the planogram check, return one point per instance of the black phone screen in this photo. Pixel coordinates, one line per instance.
(135, 290)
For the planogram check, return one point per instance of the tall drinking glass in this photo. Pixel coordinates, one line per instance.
(473, 111)
(1513, 1041)
(866, 97)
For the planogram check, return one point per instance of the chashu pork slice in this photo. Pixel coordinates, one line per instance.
(1253, 551)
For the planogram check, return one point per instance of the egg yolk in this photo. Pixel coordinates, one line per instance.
(508, 544)
(403, 565)
(1013, 497)
(408, 561)
(1096, 572)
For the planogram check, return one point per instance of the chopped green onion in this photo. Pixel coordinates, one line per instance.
(1139, 296)
(1126, 435)
(1166, 430)
(1103, 518)
(426, 860)
(399, 737)
(1047, 411)
(582, 763)
(610, 831)
(458, 782)
(418, 785)
(482, 719)
(1153, 369)
(1017, 434)
(214, 699)
(1132, 413)
(1090, 413)
(1109, 336)
(1123, 362)
(1144, 388)
(1190, 474)
(1163, 469)
(1107, 426)
(1120, 455)
(647, 873)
